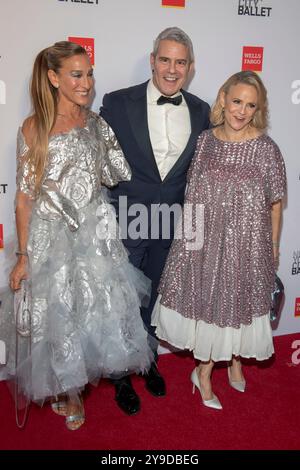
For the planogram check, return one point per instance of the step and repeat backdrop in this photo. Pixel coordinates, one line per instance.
(228, 36)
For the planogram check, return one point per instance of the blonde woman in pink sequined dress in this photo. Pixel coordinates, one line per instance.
(215, 301)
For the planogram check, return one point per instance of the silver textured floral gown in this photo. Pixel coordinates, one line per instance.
(216, 300)
(86, 295)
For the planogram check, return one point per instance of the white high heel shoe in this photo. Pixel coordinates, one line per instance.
(237, 385)
(214, 402)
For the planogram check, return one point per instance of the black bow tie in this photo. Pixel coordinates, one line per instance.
(166, 99)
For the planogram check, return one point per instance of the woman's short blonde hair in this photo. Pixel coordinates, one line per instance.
(247, 77)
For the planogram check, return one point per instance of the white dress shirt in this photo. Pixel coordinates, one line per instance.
(169, 129)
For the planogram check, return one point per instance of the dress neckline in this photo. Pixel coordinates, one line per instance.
(76, 128)
(253, 139)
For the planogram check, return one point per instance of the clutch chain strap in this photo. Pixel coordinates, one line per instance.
(21, 422)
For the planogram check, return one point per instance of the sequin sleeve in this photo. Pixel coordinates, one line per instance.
(276, 173)
(24, 181)
(193, 171)
(114, 167)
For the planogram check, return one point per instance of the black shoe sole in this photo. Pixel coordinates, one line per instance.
(155, 394)
(126, 411)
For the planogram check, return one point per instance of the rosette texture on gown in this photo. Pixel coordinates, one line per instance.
(85, 294)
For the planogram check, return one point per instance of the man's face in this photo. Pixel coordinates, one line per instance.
(170, 67)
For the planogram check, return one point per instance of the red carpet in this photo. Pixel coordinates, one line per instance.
(266, 416)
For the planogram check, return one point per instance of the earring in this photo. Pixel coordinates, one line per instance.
(56, 85)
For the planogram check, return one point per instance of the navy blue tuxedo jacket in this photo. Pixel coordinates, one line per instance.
(126, 112)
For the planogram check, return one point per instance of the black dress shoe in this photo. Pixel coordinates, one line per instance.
(155, 384)
(126, 397)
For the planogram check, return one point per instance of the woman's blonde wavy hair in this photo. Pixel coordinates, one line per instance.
(44, 97)
(247, 77)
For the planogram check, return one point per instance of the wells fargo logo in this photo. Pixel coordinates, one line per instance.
(88, 44)
(297, 307)
(173, 3)
(252, 58)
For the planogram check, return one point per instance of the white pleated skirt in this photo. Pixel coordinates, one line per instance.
(209, 341)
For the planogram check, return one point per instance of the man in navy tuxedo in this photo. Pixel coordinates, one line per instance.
(157, 124)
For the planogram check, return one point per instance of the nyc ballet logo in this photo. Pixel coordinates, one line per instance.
(296, 94)
(296, 263)
(253, 8)
(87, 2)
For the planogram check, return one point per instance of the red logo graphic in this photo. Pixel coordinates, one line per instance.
(88, 44)
(173, 3)
(252, 58)
(1, 237)
(297, 307)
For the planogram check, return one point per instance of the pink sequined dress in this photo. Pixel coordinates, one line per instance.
(215, 300)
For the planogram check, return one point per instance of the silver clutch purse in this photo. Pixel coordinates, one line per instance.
(22, 309)
(277, 298)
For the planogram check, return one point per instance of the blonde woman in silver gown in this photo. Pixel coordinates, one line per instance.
(215, 301)
(85, 294)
